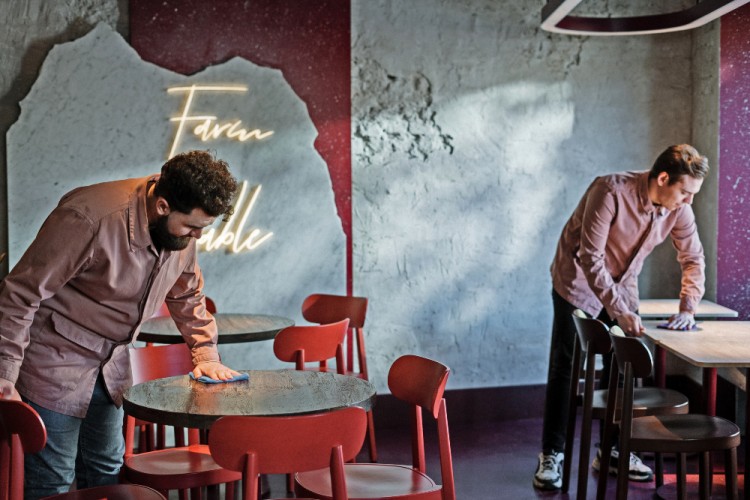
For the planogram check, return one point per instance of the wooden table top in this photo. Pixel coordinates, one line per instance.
(233, 328)
(182, 402)
(664, 308)
(717, 344)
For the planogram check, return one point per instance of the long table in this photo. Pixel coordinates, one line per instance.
(664, 308)
(718, 344)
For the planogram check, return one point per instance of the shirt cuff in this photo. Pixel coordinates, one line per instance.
(689, 304)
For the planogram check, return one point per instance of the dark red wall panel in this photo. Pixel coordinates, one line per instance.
(308, 40)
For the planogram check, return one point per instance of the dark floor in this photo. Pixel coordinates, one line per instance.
(497, 461)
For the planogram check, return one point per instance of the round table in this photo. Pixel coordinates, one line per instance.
(232, 328)
(183, 402)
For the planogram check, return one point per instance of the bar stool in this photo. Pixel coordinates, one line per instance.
(680, 434)
(593, 339)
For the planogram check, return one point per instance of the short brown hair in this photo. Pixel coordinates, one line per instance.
(679, 160)
(197, 179)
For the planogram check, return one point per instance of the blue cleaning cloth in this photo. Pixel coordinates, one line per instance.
(209, 380)
(665, 326)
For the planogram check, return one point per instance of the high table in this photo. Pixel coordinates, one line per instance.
(718, 344)
(232, 328)
(182, 402)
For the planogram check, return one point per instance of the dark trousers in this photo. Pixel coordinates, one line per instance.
(557, 398)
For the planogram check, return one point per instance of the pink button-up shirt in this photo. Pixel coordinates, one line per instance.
(611, 232)
(76, 299)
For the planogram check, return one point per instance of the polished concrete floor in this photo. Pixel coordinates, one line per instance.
(497, 461)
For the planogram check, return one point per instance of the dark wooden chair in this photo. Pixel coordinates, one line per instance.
(22, 431)
(679, 434)
(283, 445)
(593, 340)
(326, 308)
(419, 382)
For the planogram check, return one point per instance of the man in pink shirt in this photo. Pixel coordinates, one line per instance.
(616, 225)
(106, 259)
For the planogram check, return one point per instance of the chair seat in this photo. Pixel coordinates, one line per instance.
(646, 401)
(113, 492)
(683, 434)
(368, 481)
(177, 468)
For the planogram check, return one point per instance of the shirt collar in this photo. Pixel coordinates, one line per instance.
(646, 204)
(140, 237)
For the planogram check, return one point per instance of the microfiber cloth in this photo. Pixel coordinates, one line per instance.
(665, 326)
(209, 380)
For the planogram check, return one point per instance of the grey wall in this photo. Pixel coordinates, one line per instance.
(474, 134)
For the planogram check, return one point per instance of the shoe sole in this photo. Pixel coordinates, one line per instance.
(546, 486)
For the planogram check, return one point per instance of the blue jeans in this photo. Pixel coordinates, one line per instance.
(89, 450)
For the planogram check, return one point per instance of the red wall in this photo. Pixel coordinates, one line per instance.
(733, 248)
(308, 40)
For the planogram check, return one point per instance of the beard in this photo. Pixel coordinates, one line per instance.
(163, 239)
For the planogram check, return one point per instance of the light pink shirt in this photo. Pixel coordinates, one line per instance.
(611, 232)
(76, 299)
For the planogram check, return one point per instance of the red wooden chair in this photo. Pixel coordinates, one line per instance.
(419, 382)
(22, 431)
(279, 445)
(312, 344)
(181, 467)
(325, 308)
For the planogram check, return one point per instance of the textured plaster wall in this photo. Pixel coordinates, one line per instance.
(474, 136)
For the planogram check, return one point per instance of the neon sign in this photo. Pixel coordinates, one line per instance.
(209, 127)
(231, 234)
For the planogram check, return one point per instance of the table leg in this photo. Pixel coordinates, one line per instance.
(709, 391)
(660, 367)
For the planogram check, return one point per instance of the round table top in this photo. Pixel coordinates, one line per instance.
(233, 328)
(183, 402)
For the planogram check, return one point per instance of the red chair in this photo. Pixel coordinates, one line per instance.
(22, 431)
(324, 308)
(279, 445)
(420, 382)
(312, 344)
(179, 468)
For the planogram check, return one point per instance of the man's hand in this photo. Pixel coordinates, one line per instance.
(631, 324)
(8, 390)
(681, 321)
(214, 370)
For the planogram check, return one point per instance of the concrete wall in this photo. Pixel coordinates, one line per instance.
(474, 135)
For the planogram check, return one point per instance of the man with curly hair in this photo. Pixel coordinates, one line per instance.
(105, 260)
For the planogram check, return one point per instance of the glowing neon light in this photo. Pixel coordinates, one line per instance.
(230, 235)
(210, 128)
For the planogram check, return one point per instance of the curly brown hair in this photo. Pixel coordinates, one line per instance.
(197, 179)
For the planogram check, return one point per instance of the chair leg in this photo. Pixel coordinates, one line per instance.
(371, 437)
(681, 476)
(730, 474)
(659, 469)
(572, 410)
(704, 485)
(583, 461)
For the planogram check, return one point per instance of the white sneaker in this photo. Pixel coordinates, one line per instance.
(548, 474)
(638, 471)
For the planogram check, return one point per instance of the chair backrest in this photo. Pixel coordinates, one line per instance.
(278, 445)
(593, 334)
(21, 431)
(421, 383)
(152, 362)
(632, 351)
(314, 343)
(325, 308)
